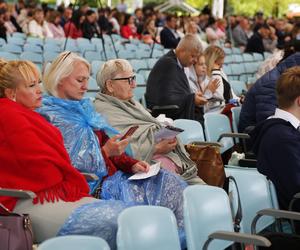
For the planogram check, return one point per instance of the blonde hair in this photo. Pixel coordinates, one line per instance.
(212, 54)
(60, 68)
(12, 73)
(110, 70)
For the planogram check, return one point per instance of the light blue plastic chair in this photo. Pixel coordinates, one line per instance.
(138, 64)
(238, 86)
(215, 125)
(235, 111)
(2, 42)
(52, 47)
(139, 94)
(93, 86)
(33, 48)
(35, 41)
(256, 193)
(19, 35)
(12, 48)
(147, 228)
(125, 54)
(15, 40)
(206, 210)
(74, 242)
(93, 56)
(207, 216)
(248, 57)
(151, 62)
(258, 57)
(96, 65)
(140, 80)
(8, 56)
(49, 56)
(193, 131)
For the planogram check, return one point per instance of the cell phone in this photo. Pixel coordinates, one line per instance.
(174, 128)
(129, 132)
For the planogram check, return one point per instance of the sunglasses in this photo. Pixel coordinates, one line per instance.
(130, 79)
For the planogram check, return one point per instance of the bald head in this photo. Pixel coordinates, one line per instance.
(188, 50)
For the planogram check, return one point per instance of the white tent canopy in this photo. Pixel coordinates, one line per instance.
(176, 3)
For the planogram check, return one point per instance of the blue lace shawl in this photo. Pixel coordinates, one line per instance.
(77, 121)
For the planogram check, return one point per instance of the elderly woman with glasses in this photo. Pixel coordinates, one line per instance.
(117, 82)
(95, 147)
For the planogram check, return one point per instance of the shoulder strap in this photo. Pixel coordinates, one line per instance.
(238, 216)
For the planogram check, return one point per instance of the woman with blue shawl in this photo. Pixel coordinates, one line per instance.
(94, 146)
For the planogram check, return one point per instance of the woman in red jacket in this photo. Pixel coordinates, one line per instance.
(129, 30)
(33, 157)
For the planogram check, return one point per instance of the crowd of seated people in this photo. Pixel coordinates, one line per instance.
(257, 34)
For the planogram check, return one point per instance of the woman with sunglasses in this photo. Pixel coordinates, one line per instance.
(33, 157)
(95, 147)
(115, 101)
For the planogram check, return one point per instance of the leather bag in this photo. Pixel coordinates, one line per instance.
(209, 163)
(15, 231)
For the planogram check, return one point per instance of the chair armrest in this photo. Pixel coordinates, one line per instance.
(18, 193)
(168, 110)
(234, 135)
(90, 177)
(206, 143)
(276, 213)
(248, 163)
(238, 237)
(297, 196)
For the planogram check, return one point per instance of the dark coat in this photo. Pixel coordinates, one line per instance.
(260, 101)
(168, 85)
(167, 39)
(277, 147)
(255, 44)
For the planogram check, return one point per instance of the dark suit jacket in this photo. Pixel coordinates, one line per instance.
(167, 39)
(255, 44)
(168, 85)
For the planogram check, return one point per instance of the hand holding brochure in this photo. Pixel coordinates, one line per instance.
(154, 169)
(168, 132)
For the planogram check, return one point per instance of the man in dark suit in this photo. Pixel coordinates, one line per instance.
(255, 43)
(169, 37)
(168, 85)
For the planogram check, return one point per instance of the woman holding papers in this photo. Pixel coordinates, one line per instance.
(95, 147)
(116, 81)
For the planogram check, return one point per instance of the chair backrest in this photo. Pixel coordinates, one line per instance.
(238, 87)
(206, 210)
(193, 130)
(147, 228)
(139, 94)
(255, 194)
(235, 118)
(96, 65)
(74, 242)
(8, 56)
(93, 84)
(216, 125)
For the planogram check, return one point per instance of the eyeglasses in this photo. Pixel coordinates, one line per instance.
(130, 79)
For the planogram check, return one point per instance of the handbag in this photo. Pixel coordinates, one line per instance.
(15, 231)
(209, 163)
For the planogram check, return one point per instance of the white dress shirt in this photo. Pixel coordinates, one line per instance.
(287, 116)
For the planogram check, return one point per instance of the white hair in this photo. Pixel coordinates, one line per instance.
(110, 70)
(60, 68)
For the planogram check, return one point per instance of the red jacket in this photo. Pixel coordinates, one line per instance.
(33, 157)
(71, 31)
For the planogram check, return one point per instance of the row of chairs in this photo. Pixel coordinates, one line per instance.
(207, 216)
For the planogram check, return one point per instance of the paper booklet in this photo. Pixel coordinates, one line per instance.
(168, 132)
(154, 169)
